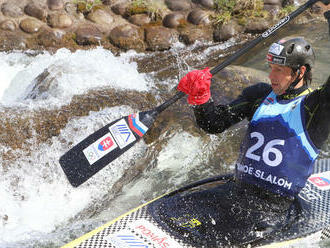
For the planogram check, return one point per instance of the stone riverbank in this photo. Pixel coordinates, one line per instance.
(142, 25)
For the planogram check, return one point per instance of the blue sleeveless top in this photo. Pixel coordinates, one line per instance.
(277, 153)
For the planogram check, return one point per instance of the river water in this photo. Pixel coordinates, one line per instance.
(39, 208)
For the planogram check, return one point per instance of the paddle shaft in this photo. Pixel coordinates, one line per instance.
(243, 50)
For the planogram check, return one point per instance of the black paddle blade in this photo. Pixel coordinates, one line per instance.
(105, 145)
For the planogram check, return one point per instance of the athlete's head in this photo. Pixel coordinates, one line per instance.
(291, 63)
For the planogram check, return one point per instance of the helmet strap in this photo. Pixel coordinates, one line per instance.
(295, 82)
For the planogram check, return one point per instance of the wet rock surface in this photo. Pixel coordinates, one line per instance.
(31, 20)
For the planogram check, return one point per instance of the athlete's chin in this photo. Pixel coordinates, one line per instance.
(277, 90)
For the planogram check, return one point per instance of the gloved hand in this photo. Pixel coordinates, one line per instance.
(196, 84)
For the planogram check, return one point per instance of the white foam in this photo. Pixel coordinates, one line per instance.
(72, 74)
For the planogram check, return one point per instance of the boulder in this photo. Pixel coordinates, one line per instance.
(36, 11)
(120, 8)
(198, 17)
(107, 2)
(50, 38)
(257, 25)
(190, 35)
(139, 19)
(59, 20)
(100, 16)
(8, 25)
(127, 37)
(176, 5)
(228, 30)
(88, 35)
(206, 3)
(272, 9)
(12, 40)
(173, 20)
(159, 38)
(273, 2)
(55, 4)
(30, 25)
(11, 9)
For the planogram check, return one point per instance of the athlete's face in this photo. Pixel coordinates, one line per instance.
(280, 77)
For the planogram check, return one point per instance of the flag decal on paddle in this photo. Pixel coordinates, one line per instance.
(122, 133)
(105, 145)
(99, 148)
(136, 125)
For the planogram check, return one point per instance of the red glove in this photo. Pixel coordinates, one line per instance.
(196, 84)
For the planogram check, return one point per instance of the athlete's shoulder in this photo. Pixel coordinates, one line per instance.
(320, 95)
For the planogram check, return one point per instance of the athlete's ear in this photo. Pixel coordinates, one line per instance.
(302, 71)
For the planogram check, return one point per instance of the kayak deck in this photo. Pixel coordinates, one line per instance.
(138, 228)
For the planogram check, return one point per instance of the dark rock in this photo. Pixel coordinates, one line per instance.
(206, 3)
(40, 85)
(294, 2)
(9, 25)
(11, 9)
(88, 35)
(273, 2)
(173, 20)
(55, 4)
(198, 17)
(100, 16)
(191, 34)
(119, 8)
(226, 31)
(30, 25)
(160, 38)
(59, 20)
(36, 11)
(51, 38)
(127, 37)
(107, 2)
(272, 9)
(176, 5)
(139, 19)
(257, 26)
(11, 41)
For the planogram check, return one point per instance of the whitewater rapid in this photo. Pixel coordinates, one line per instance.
(35, 196)
(74, 73)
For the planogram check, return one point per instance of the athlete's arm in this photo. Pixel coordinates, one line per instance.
(317, 108)
(216, 119)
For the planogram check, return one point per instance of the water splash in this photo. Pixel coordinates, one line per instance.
(71, 74)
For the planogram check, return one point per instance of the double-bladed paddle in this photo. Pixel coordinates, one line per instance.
(99, 149)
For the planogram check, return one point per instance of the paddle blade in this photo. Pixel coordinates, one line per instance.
(105, 145)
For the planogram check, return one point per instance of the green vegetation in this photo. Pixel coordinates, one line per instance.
(86, 5)
(154, 8)
(238, 9)
(286, 11)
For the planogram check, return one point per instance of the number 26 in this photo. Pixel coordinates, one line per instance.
(268, 149)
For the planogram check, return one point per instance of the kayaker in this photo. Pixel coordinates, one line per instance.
(288, 124)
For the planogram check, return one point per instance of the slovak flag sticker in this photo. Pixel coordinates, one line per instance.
(321, 181)
(105, 144)
(100, 148)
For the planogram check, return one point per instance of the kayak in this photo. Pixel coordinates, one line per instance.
(157, 224)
